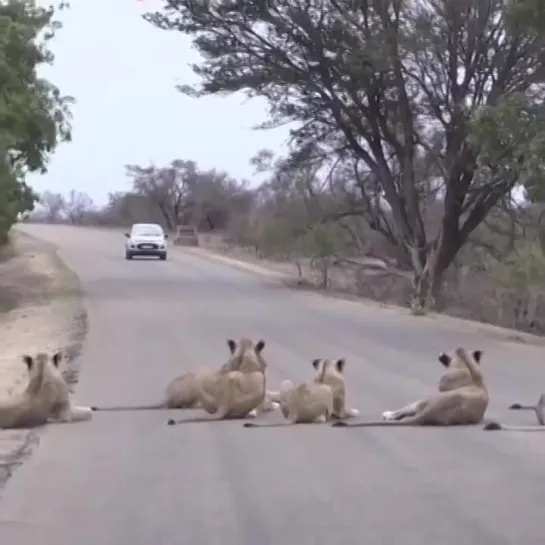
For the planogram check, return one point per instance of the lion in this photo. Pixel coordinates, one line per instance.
(182, 392)
(308, 403)
(331, 372)
(456, 373)
(56, 389)
(30, 408)
(238, 389)
(315, 401)
(465, 405)
(455, 376)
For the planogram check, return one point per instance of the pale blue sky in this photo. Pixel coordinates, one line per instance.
(122, 72)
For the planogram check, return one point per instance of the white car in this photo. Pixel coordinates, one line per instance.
(146, 239)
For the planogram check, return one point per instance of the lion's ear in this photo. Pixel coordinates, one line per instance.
(316, 363)
(340, 364)
(56, 359)
(232, 345)
(259, 346)
(477, 355)
(445, 359)
(29, 361)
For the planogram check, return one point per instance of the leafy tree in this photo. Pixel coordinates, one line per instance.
(78, 205)
(166, 187)
(33, 114)
(15, 197)
(527, 15)
(128, 208)
(440, 97)
(54, 205)
(186, 195)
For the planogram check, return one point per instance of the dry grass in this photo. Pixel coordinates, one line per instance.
(384, 291)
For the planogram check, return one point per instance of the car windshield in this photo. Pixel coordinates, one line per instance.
(147, 230)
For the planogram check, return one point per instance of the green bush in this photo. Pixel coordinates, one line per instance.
(33, 114)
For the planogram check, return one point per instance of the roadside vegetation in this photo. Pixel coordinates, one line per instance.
(33, 114)
(415, 172)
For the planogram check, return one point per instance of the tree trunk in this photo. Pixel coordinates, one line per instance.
(429, 283)
(325, 274)
(168, 220)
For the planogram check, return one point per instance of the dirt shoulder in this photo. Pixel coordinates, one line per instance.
(40, 310)
(285, 274)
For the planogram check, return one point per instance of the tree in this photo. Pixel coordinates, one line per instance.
(77, 206)
(527, 15)
(165, 187)
(128, 208)
(33, 114)
(417, 98)
(54, 205)
(16, 197)
(186, 195)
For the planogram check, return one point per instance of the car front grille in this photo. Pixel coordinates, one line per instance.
(147, 246)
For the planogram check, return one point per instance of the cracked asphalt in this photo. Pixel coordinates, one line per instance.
(128, 479)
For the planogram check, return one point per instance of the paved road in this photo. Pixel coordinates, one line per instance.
(128, 479)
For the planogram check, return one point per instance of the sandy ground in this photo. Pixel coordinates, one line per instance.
(40, 310)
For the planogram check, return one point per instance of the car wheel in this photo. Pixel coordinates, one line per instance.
(163, 257)
(128, 255)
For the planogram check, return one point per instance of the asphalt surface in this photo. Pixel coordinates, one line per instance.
(128, 479)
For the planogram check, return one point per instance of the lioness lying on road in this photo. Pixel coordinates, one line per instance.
(45, 399)
(464, 405)
(30, 408)
(238, 389)
(183, 391)
(57, 391)
(456, 375)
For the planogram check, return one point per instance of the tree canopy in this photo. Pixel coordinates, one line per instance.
(412, 102)
(34, 116)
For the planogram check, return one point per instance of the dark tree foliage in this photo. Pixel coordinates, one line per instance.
(388, 86)
(527, 15)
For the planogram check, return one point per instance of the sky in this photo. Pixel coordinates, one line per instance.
(122, 72)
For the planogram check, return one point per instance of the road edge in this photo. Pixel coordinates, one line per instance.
(442, 320)
(26, 441)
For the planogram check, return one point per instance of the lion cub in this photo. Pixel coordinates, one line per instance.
(315, 401)
(307, 403)
(331, 372)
